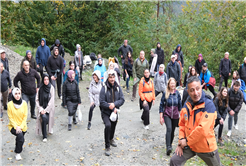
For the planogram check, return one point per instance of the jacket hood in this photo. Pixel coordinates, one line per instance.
(157, 46)
(57, 41)
(98, 73)
(44, 41)
(77, 47)
(177, 47)
(110, 63)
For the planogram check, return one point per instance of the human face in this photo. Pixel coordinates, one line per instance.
(26, 66)
(111, 79)
(29, 55)
(73, 75)
(189, 69)
(151, 53)
(141, 55)
(79, 48)
(158, 45)
(3, 55)
(146, 73)
(57, 45)
(195, 91)
(172, 85)
(234, 74)
(17, 95)
(161, 69)
(236, 88)
(178, 48)
(226, 56)
(200, 58)
(1, 67)
(193, 72)
(111, 67)
(125, 43)
(224, 92)
(95, 78)
(204, 68)
(129, 55)
(173, 59)
(245, 61)
(72, 66)
(46, 80)
(100, 61)
(42, 43)
(56, 52)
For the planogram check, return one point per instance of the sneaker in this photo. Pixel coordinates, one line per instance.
(146, 127)
(51, 131)
(112, 142)
(169, 150)
(18, 156)
(236, 126)
(89, 126)
(107, 151)
(229, 133)
(45, 140)
(69, 127)
(33, 117)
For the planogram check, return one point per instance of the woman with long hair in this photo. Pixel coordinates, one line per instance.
(221, 103)
(169, 109)
(128, 69)
(235, 77)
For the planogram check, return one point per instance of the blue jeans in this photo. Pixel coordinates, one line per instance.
(127, 82)
(32, 101)
(230, 120)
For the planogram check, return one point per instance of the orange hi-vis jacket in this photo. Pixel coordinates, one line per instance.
(196, 124)
(146, 90)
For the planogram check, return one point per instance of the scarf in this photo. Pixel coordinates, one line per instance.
(69, 75)
(146, 79)
(17, 103)
(44, 93)
(161, 73)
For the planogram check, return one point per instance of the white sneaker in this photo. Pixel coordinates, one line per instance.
(229, 133)
(18, 156)
(61, 97)
(51, 132)
(236, 127)
(146, 127)
(45, 140)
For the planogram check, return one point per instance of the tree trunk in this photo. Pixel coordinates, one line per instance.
(158, 8)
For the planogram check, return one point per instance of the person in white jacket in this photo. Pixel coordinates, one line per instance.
(111, 66)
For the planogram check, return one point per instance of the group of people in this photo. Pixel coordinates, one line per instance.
(195, 113)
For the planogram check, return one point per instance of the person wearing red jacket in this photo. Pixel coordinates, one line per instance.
(196, 128)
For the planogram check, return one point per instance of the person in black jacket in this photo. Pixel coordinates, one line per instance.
(27, 78)
(225, 69)
(186, 76)
(123, 50)
(5, 83)
(160, 53)
(111, 99)
(71, 97)
(199, 62)
(235, 104)
(4, 60)
(30, 59)
(128, 69)
(55, 69)
(221, 103)
(60, 47)
(242, 71)
(179, 54)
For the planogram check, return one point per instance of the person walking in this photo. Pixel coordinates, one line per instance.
(199, 62)
(30, 59)
(60, 47)
(123, 50)
(160, 55)
(100, 67)
(206, 80)
(71, 97)
(160, 81)
(128, 65)
(139, 66)
(42, 55)
(5, 87)
(153, 62)
(242, 70)
(17, 114)
(147, 97)
(111, 99)
(225, 69)
(72, 67)
(94, 91)
(221, 103)
(78, 58)
(235, 104)
(4, 60)
(169, 109)
(55, 68)
(173, 70)
(28, 77)
(179, 54)
(111, 67)
(196, 128)
(45, 101)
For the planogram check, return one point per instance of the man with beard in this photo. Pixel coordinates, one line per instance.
(123, 50)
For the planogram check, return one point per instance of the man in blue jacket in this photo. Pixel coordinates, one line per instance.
(42, 55)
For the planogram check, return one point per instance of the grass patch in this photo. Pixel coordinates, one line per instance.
(20, 49)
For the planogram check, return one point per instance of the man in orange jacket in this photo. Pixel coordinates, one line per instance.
(196, 128)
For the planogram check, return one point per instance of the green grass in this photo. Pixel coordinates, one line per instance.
(20, 49)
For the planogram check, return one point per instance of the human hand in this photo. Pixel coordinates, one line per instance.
(220, 75)
(229, 74)
(221, 121)
(161, 120)
(111, 106)
(43, 112)
(145, 103)
(121, 56)
(231, 112)
(179, 151)
(18, 129)
(153, 102)
(37, 66)
(37, 90)
(10, 90)
(115, 110)
(92, 103)
(135, 79)
(183, 143)
(53, 78)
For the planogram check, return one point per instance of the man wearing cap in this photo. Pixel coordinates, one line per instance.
(242, 70)
(225, 69)
(30, 59)
(111, 99)
(4, 60)
(123, 50)
(173, 70)
(206, 81)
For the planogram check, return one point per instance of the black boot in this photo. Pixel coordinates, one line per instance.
(74, 121)
(33, 116)
(169, 150)
(89, 126)
(69, 127)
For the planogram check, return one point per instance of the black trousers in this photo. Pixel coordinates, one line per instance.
(91, 112)
(57, 82)
(211, 89)
(41, 70)
(146, 109)
(109, 129)
(19, 140)
(217, 122)
(222, 78)
(45, 121)
(171, 124)
(30, 98)
(81, 71)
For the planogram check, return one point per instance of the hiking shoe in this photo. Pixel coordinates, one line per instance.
(169, 150)
(229, 133)
(146, 127)
(112, 142)
(18, 156)
(69, 127)
(236, 126)
(89, 126)
(33, 117)
(107, 151)
(45, 140)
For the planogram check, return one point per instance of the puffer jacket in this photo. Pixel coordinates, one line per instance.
(110, 94)
(172, 106)
(196, 124)
(70, 92)
(95, 88)
(146, 90)
(221, 110)
(160, 82)
(235, 100)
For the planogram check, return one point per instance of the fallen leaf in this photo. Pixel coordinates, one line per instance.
(81, 158)
(30, 143)
(10, 158)
(8, 141)
(236, 159)
(11, 150)
(57, 160)
(153, 158)
(68, 141)
(117, 138)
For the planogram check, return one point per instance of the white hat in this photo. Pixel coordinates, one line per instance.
(173, 56)
(111, 72)
(244, 59)
(227, 53)
(1, 51)
(113, 117)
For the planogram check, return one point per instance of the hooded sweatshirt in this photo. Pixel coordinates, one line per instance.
(55, 63)
(78, 56)
(42, 54)
(179, 54)
(95, 88)
(160, 53)
(60, 48)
